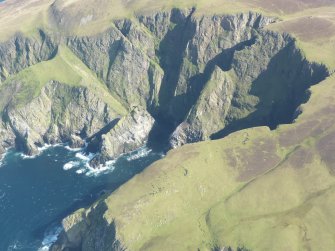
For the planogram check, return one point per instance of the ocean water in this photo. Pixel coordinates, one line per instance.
(36, 193)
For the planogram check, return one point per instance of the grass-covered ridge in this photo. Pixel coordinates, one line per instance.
(65, 68)
(258, 189)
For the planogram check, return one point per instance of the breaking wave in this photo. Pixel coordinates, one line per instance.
(69, 165)
(141, 152)
(50, 237)
(2, 158)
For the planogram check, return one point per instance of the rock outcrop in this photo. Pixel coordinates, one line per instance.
(59, 114)
(21, 52)
(205, 76)
(129, 133)
(209, 113)
(258, 82)
(88, 230)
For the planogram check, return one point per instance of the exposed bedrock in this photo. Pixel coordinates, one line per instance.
(259, 82)
(60, 113)
(129, 133)
(205, 76)
(179, 77)
(20, 52)
(88, 231)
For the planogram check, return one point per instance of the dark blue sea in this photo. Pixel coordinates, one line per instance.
(36, 193)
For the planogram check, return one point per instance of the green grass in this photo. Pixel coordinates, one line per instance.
(195, 197)
(314, 30)
(23, 16)
(65, 68)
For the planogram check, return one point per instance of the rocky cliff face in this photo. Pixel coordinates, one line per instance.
(259, 82)
(203, 76)
(130, 133)
(88, 230)
(56, 115)
(21, 52)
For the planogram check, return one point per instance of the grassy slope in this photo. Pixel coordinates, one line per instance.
(23, 16)
(256, 188)
(315, 32)
(66, 68)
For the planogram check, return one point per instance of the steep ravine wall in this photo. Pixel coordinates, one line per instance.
(182, 77)
(199, 77)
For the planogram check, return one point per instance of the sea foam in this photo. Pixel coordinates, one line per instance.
(40, 151)
(69, 165)
(2, 158)
(141, 152)
(108, 167)
(50, 237)
(72, 149)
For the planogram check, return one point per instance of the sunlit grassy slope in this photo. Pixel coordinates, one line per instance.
(23, 16)
(65, 68)
(315, 31)
(258, 189)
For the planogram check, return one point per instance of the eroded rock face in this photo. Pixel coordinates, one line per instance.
(20, 52)
(7, 137)
(204, 76)
(60, 113)
(258, 82)
(209, 113)
(88, 231)
(130, 133)
(119, 59)
(75, 226)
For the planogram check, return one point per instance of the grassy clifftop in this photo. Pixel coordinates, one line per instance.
(65, 68)
(258, 189)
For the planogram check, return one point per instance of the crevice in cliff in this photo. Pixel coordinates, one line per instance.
(222, 60)
(225, 58)
(94, 141)
(281, 89)
(165, 126)
(171, 53)
(113, 52)
(21, 140)
(201, 63)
